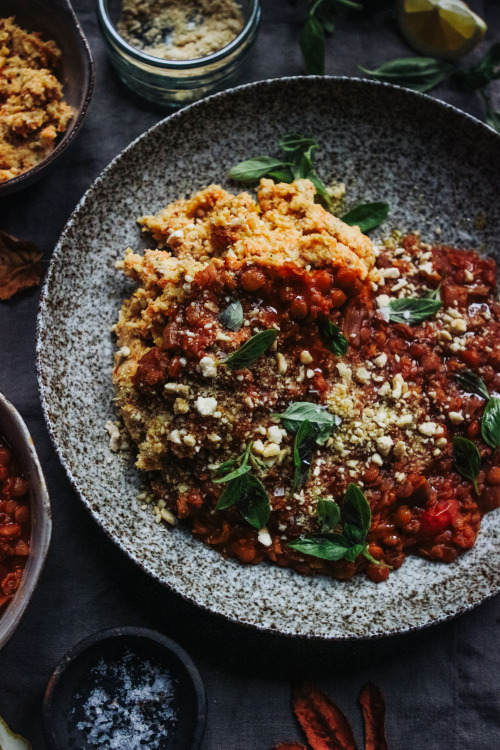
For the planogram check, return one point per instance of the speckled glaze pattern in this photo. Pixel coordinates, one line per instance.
(436, 166)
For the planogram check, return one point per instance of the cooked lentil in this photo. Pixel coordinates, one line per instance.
(291, 264)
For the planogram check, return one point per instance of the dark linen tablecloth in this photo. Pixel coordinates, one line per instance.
(441, 684)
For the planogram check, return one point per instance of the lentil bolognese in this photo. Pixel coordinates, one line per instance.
(301, 396)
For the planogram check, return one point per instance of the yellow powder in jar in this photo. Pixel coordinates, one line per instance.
(32, 110)
(180, 29)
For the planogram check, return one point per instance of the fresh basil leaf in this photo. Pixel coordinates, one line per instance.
(244, 469)
(250, 497)
(417, 73)
(492, 116)
(251, 349)
(253, 501)
(467, 459)
(312, 44)
(232, 316)
(472, 383)
(413, 310)
(252, 170)
(226, 466)
(328, 513)
(332, 547)
(490, 423)
(353, 534)
(320, 188)
(303, 164)
(299, 411)
(356, 509)
(333, 337)
(303, 449)
(367, 216)
(290, 143)
(478, 76)
(281, 175)
(352, 553)
(230, 495)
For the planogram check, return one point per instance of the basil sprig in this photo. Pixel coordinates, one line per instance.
(303, 449)
(300, 411)
(472, 383)
(333, 337)
(319, 22)
(297, 164)
(232, 316)
(413, 310)
(467, 459)
(351, 541)
(251, 349)
(417, 73)
(244, 490)
(487, 70)
(367, 216)
(490, 423)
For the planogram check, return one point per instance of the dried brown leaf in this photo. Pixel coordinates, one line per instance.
(324, 724)
(372, 705)
(20, 265)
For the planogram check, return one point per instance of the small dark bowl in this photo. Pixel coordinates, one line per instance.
(72, 682)
(56, 20)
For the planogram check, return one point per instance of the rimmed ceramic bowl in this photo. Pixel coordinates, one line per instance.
(56, 20)
(103, 662)
(14, 430)
(438, 169)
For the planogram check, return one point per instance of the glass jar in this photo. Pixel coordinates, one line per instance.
(175, 83)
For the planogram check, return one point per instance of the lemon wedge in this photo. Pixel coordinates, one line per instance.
(11, 741)
(440, 28)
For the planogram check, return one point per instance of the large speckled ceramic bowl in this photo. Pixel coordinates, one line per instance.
(436, 166)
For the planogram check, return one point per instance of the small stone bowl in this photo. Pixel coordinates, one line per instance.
(15, 432)
(82, 671)
(55, 20)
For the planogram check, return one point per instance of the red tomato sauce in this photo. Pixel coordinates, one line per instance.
(15, 524)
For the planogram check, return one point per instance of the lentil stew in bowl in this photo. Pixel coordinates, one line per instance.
(435, 167)
(302, 396)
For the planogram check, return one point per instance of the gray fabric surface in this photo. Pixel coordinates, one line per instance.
(441, 685)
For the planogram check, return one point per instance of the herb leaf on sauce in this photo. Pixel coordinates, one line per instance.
(412, 310)
(356, 515)
(417, 73)
(333, 337)
(472, 383)
(367, 216)
(357, 509)
(250, 497)
(244, 490)
(328, 513)
(490, 423)
(466, 459)
(318, 415)
(232, 316)
(303, 449)
(251, 349)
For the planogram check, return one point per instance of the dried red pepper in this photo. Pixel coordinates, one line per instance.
(290, 746)
(324, 724)
(372, 705)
